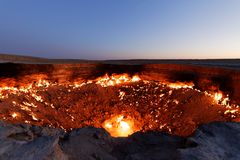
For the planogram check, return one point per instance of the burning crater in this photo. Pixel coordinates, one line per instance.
(121, 103)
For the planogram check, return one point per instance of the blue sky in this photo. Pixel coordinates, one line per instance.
(121, 29)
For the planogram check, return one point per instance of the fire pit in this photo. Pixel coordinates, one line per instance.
(120, 103)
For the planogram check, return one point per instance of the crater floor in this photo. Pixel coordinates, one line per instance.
(175, 108)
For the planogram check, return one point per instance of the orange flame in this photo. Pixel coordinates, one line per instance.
(218, 96)
(119, 126)
(113, 80)
(179, 85)
(14, 115)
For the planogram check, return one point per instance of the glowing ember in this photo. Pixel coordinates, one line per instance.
(119, 126)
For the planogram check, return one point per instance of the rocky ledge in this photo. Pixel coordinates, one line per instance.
(219, 140)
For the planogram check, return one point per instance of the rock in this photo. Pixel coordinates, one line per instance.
(88, 143)
(151, 145)
(26, 142)
(214, 141)
(219, 140)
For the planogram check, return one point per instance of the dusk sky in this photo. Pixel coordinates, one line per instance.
(121, 29)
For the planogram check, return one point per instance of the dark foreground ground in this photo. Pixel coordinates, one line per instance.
(216, 141)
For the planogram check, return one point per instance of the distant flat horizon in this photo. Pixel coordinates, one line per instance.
(12, 55)
(223, 63)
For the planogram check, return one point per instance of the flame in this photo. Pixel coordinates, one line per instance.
(179, 85)
(135, 79)
(218, 96)
(31, 88)
(14, 115)
(37, 97)
(113, 80)
(231, 111)
(42, 84)
(119, 126)
(121, 95)
(34, 117)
